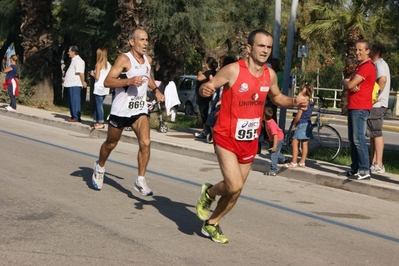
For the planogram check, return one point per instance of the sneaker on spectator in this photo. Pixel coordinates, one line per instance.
(348, 173)
(271, 173)
(9, 109)
(202, 134)
(141, 186)
(360, 176)
(98, 177)
(378, 169)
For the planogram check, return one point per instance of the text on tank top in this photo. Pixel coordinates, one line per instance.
(242, 105)
(132, 100)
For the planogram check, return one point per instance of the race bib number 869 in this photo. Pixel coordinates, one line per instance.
(247, 129)
(136, 104)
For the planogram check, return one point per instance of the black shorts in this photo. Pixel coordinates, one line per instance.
(119, 121)
(375, 121)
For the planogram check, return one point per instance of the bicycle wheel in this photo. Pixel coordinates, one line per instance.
(326, 143)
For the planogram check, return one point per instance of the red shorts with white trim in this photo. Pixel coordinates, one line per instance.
(244, 150)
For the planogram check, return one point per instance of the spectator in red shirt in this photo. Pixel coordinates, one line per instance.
(360, 87)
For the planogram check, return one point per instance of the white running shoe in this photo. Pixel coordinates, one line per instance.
(97, 177)
(141, 186)
(9, 109)
(378, 169)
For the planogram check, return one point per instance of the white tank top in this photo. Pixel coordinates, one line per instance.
(132, 100)
(99, 88)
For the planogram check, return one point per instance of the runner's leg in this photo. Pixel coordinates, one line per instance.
(114, 134)
(234, 174)
(141, 128)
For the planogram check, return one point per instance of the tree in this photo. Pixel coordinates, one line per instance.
(183, 32)
(341, 20)
(10, 14)
(37, 41)
(89, 24)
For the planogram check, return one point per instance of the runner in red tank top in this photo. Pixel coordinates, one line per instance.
(242, 112)
(246, 84)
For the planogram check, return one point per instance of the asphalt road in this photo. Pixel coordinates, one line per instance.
(50, 215)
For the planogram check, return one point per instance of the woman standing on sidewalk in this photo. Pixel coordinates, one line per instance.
(211, 66)
(101, 71)
(11, 83)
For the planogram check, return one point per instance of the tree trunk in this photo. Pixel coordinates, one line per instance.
(36, 31)
(129, 16)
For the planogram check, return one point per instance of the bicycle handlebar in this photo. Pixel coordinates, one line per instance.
(323, 101)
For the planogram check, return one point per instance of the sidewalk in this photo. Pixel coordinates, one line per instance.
(384, 186)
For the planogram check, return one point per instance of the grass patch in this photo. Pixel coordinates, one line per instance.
(86, 111)
(390, 160)
(181, 121)
(344, 158)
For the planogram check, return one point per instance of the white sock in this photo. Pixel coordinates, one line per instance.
(99, 168)
(141, 178)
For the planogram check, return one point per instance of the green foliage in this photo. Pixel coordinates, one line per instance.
(326, 75)
(10, 18)
(183, 32)
(181, 121)
(192, 62)
(3, 95)
(88, 23)
(392, 59)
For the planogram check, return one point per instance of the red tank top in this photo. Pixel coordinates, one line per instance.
(241, 111)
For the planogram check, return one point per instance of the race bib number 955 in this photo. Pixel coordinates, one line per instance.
(247, 129)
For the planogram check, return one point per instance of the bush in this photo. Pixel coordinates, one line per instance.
(329, 75)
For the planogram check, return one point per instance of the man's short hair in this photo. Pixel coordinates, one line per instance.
(365, 42)
(74, 49)
(377, 48)
(251, 36)
(132, 34)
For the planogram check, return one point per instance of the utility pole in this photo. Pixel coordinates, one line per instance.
(288, 60)
(276, 30)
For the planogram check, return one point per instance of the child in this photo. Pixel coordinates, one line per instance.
(303, 131)
(276, 138)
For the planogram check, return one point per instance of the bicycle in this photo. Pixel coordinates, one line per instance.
(153, 107)
(326, 143)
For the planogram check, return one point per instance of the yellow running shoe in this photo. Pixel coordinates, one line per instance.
(204, 203)
(214, 232)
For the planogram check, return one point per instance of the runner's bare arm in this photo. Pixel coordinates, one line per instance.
(225, 77)
(122, 64)
(278, 98)
(158, 94)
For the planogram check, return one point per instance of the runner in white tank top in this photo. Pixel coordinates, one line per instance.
(129, 107)
(133, 100)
